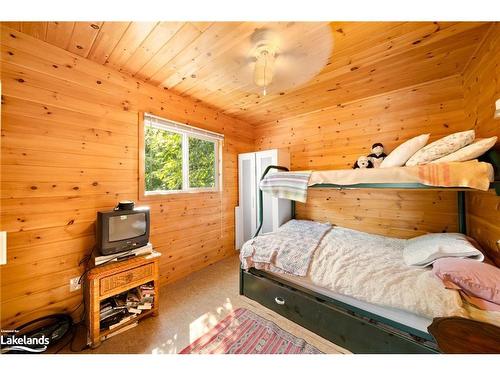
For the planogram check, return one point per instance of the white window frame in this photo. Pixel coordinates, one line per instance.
(186, 131)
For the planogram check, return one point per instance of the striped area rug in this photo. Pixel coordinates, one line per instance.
(244, 332)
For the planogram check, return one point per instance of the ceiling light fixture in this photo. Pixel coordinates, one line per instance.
(278, 57)
(264, 67)
(265, 52)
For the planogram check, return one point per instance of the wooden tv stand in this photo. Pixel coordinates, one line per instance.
(114, 278)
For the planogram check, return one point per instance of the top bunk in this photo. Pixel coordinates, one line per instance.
(458, 176)
(468, 175)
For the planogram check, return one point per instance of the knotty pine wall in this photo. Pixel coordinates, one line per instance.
(481, 84)
(334, 137)
(70, 148)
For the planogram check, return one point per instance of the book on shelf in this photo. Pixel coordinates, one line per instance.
(121, 330)
(123, 307)
(123, 321)
(133, 310)
(133, 296)
(112, 320)
(145, 306)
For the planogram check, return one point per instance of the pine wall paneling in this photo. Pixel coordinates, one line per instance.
(481, 85)
(402, 214)
(483, 221)
(70, 148)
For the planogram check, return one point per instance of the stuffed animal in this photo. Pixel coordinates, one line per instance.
(363, 162)
(377, 154)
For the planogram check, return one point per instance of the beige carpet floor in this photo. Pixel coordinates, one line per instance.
(192, 306)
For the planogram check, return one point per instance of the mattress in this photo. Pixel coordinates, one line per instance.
(470, 174)
(367, 267)
(406, 318)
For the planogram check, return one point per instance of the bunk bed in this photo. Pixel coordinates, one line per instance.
(354, 325)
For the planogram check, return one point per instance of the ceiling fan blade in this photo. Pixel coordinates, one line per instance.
(301, 49)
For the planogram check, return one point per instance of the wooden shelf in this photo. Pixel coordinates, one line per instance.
(115, 278)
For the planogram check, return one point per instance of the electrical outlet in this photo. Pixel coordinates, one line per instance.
(74, 284)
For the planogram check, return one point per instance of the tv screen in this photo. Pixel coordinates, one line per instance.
(127, 226)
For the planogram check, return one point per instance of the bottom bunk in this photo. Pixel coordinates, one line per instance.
(368, 293)
(351, 327)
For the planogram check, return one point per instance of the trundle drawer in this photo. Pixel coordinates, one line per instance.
(276, 297)
(327, 320)
(113, 283)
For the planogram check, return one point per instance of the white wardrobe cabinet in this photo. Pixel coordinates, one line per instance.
(276, 211)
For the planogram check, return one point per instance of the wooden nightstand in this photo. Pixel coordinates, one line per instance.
(112, 279)
(465, 336)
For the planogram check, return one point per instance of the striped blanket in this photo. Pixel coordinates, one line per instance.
(287, 185)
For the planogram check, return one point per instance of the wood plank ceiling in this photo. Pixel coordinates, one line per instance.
(194, 59)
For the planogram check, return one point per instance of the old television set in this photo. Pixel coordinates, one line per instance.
(122, 229)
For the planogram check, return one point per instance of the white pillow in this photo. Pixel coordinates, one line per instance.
(423, 250)
(472, 151)
(441, 147)
(400, 155)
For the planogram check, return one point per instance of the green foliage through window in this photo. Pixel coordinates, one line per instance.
(164, 161)
(201, 163)
(163, 150)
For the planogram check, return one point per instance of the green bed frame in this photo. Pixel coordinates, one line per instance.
(350, 327)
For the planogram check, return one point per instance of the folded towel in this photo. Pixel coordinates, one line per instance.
(287, 185)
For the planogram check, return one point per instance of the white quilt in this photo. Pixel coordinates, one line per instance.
(371, 268)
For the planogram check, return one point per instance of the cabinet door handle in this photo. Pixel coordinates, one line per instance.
(279, 300)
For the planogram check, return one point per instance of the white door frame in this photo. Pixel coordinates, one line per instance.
(273, 154)
(253, 204)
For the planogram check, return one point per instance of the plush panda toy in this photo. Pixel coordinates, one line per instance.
(363, 162)
(377, 155)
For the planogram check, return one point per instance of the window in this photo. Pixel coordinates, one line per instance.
(178, 158)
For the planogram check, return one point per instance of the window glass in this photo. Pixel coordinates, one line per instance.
(163, 159)
(179, 158)
(201, 163)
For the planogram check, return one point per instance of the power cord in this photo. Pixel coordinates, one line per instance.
(86, 259)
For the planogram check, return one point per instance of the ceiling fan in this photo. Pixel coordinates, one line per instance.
(284, 55)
